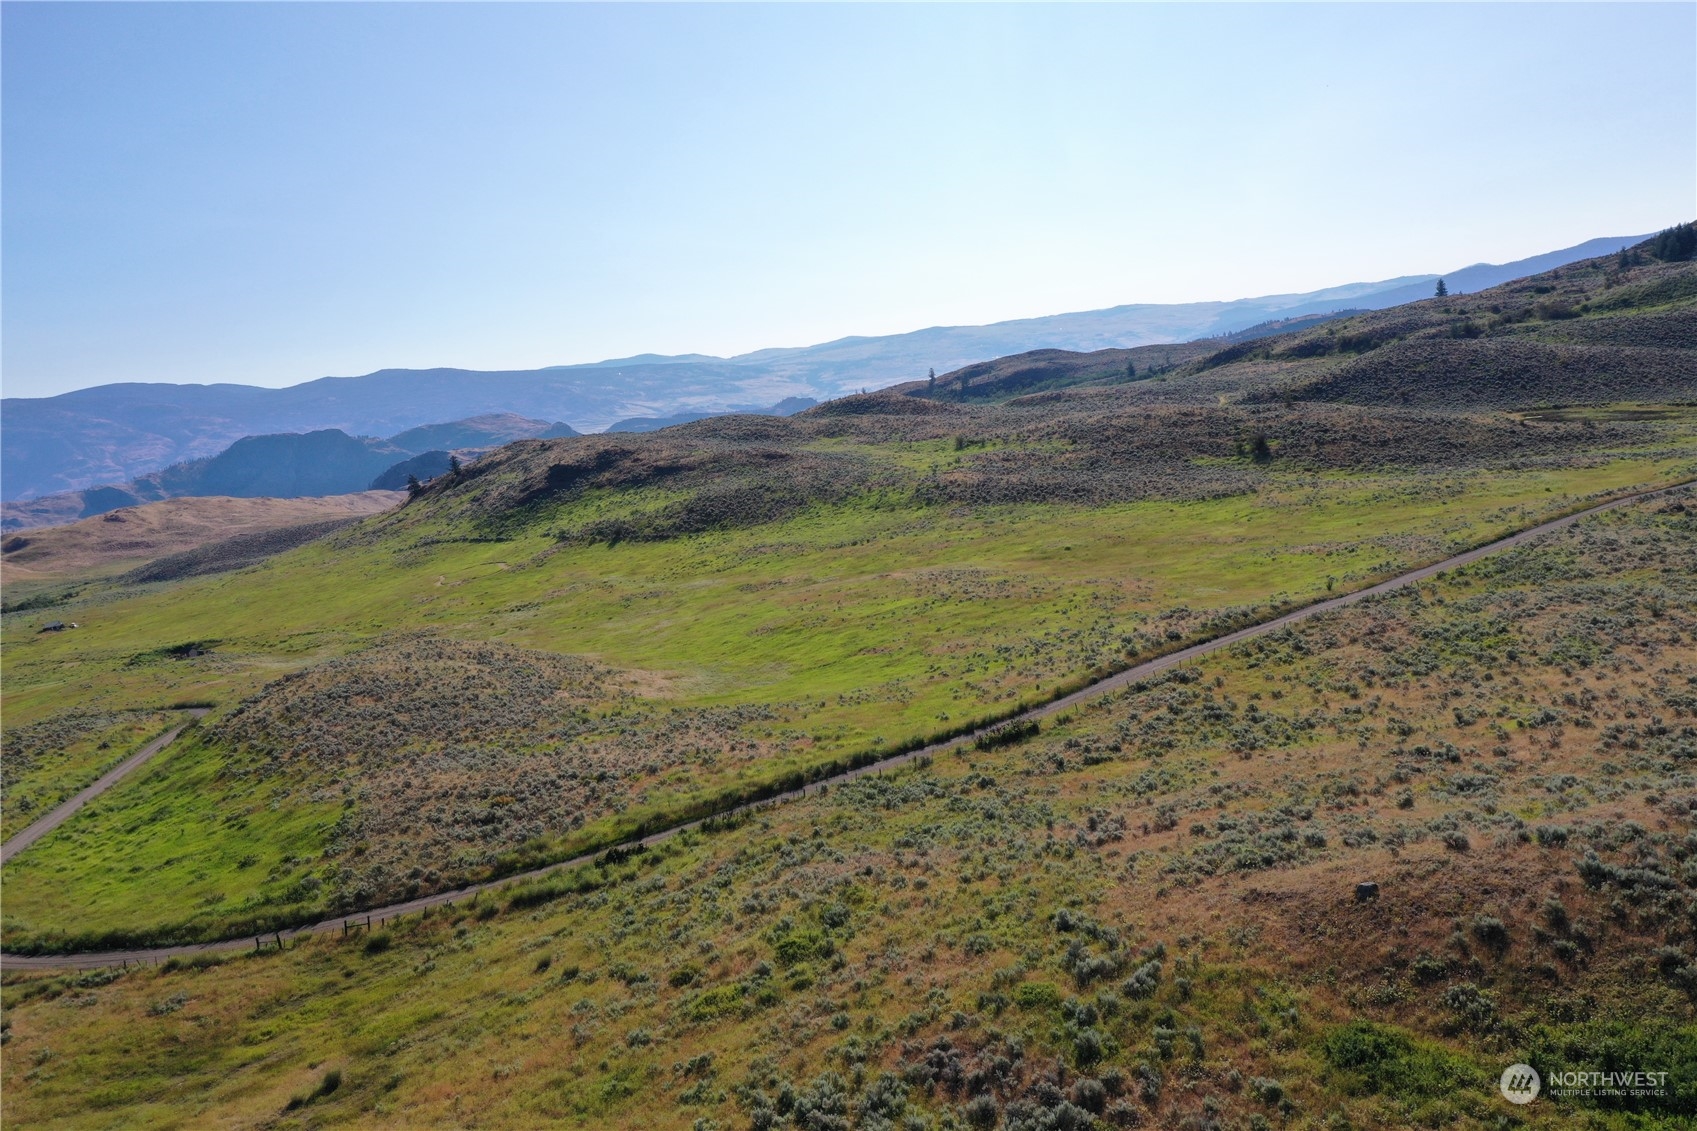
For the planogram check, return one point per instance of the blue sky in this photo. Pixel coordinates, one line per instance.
(268, 193)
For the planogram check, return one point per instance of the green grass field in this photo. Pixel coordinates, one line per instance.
(849, 627)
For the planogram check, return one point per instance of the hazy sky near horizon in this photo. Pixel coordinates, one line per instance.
(269, 193)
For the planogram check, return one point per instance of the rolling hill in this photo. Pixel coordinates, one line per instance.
(287, 466)
(133, 536)
(327, 462)
(490, 430)
(920, 478)
(1610, 329)
(1349, 873)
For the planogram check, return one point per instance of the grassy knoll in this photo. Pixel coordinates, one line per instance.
(1144, 915)
(741, 655)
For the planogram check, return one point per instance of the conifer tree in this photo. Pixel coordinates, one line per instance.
(1675, 244)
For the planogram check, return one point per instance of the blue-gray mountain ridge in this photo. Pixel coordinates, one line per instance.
(114, 433)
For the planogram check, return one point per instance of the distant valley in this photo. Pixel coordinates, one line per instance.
(326, 462)
(292, 465)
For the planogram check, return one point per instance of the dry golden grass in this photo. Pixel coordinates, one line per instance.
(131, 536)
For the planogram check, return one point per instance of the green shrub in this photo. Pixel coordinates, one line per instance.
(1037, 995)
(709, 1005)
(800, 947)
(1374, 1058)
(1492, 932)
(1643, 1044)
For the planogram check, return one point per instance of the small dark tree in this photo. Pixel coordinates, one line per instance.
(1259, 450)
(1441, 290)
(454, 466)
(414, 487)
(1130, 369)
(931, 382)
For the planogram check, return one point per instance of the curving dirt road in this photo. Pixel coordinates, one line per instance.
(40, 828)
(1101, 687)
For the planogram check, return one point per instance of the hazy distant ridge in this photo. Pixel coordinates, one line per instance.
(118, 432)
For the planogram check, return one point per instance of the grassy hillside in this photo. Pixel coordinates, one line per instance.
(1620, 328)
(775, 597)
(46, 762)
(758, 600)
(1145, 915)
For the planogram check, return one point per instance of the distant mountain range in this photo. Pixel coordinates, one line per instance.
(111, 434)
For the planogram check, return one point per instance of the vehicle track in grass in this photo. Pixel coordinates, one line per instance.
(379, 915)
(58, 816)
